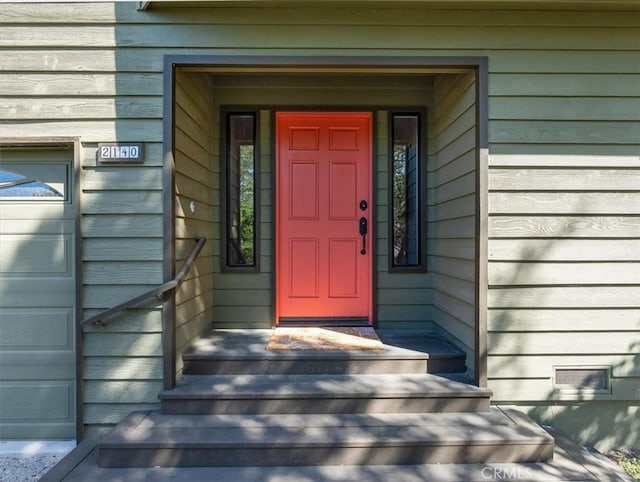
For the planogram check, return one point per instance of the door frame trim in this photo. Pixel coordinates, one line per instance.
(372, 203)
(361, 64)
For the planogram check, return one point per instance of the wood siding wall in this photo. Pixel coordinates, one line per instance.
(51, 87)
(195, 187)
(403, 299)
(452, 204)
(564, 239)
(563, 140)
(244, 299)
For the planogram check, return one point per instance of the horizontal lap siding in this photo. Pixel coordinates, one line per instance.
(563, 99)
(402, 299)
(60, 90)
(122, 251)
(564, 228)
(194, 187)
(248, 34)
(244, 300)
(325, 90)
(451, 184)
(565, 290)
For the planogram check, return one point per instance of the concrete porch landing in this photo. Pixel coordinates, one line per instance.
(232, 351)
(570, 463)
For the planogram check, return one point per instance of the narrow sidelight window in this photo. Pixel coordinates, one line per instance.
(406, 180)
(241, 190)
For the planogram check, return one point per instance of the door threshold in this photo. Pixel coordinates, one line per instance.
(324, 321)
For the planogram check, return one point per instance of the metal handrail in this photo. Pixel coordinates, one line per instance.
(153, 293)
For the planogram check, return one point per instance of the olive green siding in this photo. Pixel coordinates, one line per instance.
(196, 203)
(246, 299)
(451, 216)
(403, 300)
(564, 130)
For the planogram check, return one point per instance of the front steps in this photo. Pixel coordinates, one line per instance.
(287, 394)
(231, 352)
(157, 440)
(240, 406)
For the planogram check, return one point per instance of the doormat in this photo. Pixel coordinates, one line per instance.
(324, 339)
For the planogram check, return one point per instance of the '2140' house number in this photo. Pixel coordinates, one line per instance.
(117, 152)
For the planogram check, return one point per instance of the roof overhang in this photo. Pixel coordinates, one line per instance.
(436, 4)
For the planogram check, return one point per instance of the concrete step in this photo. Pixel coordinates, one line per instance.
(570, 462)
(286, 394)
(229, 352)
(444, 356)
(156, 440)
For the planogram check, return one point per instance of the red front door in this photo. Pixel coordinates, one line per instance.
(323, 183)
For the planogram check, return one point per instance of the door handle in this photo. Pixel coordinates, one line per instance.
(363, 232)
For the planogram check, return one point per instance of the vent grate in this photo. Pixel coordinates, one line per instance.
(583, 378)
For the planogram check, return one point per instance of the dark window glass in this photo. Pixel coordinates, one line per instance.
(405, 189)
(241, 193)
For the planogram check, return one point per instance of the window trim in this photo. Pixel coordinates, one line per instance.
(225, 116)
(421, 115)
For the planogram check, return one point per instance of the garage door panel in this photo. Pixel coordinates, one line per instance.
(37, 211)
(36, 226)
(27, 365)
(40, 255)
(37, 295)
(51, 293)
(36, 329)
(38, 430)
(36, 401)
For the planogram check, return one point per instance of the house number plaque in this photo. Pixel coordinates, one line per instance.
(120, 152)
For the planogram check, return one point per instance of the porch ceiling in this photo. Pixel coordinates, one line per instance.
(337, 69)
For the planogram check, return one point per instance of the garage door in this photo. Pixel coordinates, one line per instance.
(37, 294)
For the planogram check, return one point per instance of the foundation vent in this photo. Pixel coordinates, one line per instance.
(583, 378)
